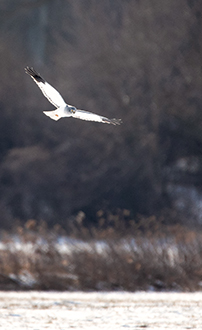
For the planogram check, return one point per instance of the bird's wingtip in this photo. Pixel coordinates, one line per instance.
(117, 121)
(34, 74)
(113, 121)
(29, 70)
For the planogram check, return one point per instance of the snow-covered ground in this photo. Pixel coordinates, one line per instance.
(120, 310)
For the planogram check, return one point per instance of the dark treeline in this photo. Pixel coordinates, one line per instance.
(136, 60)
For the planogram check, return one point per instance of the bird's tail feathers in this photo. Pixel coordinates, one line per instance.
(55, 114)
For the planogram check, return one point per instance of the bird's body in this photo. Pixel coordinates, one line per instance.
(64, 109)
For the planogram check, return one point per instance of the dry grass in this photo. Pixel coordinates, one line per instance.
(143, 256)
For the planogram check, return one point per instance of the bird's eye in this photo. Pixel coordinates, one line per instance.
(73, 110)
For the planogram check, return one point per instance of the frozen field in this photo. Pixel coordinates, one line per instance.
(78, 310)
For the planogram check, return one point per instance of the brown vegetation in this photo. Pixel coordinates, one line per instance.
(147, 256)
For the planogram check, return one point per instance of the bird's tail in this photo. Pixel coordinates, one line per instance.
(55, 114)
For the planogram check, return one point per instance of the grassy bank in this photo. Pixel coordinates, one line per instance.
(143, 256)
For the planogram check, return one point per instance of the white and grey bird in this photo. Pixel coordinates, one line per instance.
(64, 109)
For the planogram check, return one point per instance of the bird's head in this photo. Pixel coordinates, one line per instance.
(72, 109)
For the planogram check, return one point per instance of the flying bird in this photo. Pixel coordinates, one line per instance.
(64, 109)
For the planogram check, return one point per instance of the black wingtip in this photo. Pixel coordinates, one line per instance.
(115, 121)
(34, 74)
(112, 121)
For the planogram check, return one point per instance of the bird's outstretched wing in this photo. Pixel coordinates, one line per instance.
(86, 115)
(49, 92)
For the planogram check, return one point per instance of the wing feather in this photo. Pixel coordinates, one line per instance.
(49, 92)
(86, 115)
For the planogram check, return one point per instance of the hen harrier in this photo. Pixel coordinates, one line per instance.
(64, 109)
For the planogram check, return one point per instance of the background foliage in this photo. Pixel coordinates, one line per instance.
(135, 60)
